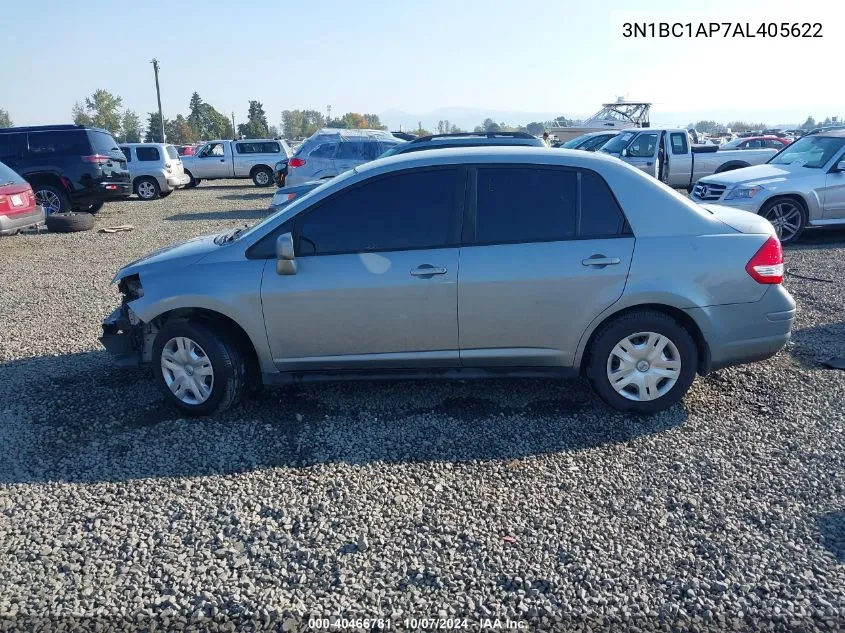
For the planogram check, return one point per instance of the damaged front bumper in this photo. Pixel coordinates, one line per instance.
(123, 337)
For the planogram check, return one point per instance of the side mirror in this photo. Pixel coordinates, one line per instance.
(285, 257)
(840, 166)
(624, 153)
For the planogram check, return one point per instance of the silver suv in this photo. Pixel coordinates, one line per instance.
(329, 152)
(155, 169)
(563, 272)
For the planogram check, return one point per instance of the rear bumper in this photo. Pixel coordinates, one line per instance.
(177, 182)
(13, 223)
(102, 192)
(746, 332)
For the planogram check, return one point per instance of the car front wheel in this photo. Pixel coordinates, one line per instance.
(787, 216)
(199, 367)
(642, 362)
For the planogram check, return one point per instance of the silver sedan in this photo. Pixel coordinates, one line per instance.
(463, 263)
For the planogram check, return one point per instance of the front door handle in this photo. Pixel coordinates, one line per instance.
(222, 160)
(600, 260)
(427, 271)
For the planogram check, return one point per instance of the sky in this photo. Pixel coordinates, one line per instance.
(418, 56)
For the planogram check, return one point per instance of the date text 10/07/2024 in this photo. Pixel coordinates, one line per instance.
(721, 29)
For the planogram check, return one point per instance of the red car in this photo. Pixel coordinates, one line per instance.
(757, 142)
(17, 203)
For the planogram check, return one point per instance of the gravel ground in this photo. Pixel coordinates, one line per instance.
(525, 500)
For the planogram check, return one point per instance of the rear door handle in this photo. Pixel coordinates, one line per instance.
(427, 271)
(600, 260)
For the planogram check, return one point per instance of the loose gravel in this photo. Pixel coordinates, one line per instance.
(521, 500)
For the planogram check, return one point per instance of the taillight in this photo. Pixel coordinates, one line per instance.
(98, 159)
(168, 166)
(296, 162)
(766, 267)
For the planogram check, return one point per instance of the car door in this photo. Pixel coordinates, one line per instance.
(833, 196)
(350, 154)
(376, 279)
(547, 250)
(642, 152)
(679, 160)
(215, 161)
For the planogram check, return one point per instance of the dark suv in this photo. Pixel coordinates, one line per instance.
(70, 167)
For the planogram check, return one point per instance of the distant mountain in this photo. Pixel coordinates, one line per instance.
(464, 118)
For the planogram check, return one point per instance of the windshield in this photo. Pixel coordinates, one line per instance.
(575, 142)
(293, 206)
(809, 151)
(617, 144)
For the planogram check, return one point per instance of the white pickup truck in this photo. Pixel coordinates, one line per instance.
(246, 158)
(669, 154)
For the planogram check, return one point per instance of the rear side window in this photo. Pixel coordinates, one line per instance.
(600, 214)
(525, 204)
(257, 148)
(679, 143)
(413, 210)
(353, 150)
(61, 143)
(102, 142)
(128, 153)
(326, 150)
(172, 152)
(12, 145)
(8, 175)
(147, 153)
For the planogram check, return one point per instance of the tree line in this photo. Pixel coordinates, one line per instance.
(712, 127)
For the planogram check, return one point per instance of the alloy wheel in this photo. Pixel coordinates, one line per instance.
(786, 218)
(644, 366)
(262, 178)
(187, 370)
(146, 190)
(49, 201)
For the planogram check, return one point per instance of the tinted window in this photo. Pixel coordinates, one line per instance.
(679, 143)
(147, 153)
(102, 142)
(410, 210)
(326, 150)
(128, 153)
(600, 214)
(355, 150)
(643, 146)
(12, 145)
(59, 143)
(257, 148)
(172, 152)
(8, 175)
(524, 204)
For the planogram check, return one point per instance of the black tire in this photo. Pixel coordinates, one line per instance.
(227, 362)
(55, 194)
(627, 325)
(262, 176)
(91, 208)
(69, 222)
(193, 182)
(150, 188)
(164, 194)
(768, 211)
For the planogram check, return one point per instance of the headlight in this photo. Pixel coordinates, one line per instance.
(742, 193)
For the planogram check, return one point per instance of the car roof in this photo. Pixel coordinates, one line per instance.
(838, 133)
(352, 132)
(52, 128)
(492, 154)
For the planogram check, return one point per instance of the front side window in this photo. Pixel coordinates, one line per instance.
(809, 151)
(412, 210)
(643, 146)
(213, 149)
(525, 204)
(147, 154)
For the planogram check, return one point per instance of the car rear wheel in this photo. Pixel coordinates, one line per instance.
(262, 177)
(147, 189)
(193, 182)
(52, 199)
(787, 216)
(199, 368)
(643, 362)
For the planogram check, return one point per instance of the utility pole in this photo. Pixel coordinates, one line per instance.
(329, 114)
(234, 132)
(158, 96)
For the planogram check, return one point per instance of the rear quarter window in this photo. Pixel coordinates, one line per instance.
(148, 154)
(61, 143)
(7, 174)
(172, 152)
(600, 215)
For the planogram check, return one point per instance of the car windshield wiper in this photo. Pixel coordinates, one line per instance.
(228, 236)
